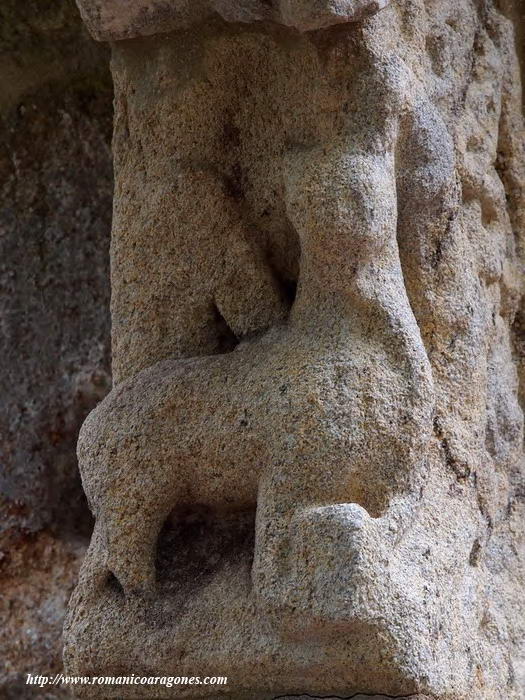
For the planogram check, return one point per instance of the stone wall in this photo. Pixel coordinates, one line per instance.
(55, 208)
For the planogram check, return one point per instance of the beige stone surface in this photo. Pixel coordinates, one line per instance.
(309, 474)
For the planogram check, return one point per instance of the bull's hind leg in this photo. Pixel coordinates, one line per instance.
(121, 556)
(132, 534)
(129, 482)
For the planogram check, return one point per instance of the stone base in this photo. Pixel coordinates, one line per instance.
(205, 622)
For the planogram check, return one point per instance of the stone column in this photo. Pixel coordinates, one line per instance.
(308, 476)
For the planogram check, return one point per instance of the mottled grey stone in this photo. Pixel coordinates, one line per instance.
(55, 210)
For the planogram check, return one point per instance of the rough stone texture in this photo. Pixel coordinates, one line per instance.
(112, 20)
(55, 206)
(309, 474)
(353, 697)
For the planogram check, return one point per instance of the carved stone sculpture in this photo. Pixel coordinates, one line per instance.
(300, 348)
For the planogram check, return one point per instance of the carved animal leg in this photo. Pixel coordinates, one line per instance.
(132, 544)
(94, 572)
(289, 547)
(317, 568)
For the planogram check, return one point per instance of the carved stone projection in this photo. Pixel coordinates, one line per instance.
(308, 476)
